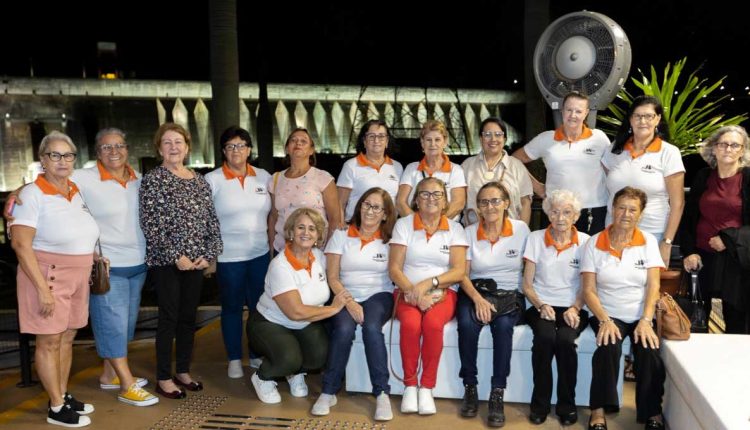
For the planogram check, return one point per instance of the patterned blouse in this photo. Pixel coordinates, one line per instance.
(178, 218)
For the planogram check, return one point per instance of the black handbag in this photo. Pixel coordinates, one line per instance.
(504, 301)
(691, 303)
(99, 280)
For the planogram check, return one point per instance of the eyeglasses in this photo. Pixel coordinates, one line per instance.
(486, 202)
(488, 134)
(110, 148)
(236, 146)
(56, 156)
(435, 195)
(727, 146)
(372, 137)
(565, 213)
(366, 206)
(643, 116)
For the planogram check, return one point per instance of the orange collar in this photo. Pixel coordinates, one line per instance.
(445, 168)
(560, 134)
(654, 146)
(505, 232)
(549, 241)
(419, 225)
(363, 161)
(354, 232)
(296, 264)
(229, 174)
(51, 190)
(603, 243)
(106, 176)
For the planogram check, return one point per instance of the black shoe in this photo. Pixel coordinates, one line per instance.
(470, 403)
(67, 417)
(536, 418)
(598, 426)
(496, 417)
(568, 419)
(652, 424)
(80, 407)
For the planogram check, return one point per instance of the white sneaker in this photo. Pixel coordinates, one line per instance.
(383, 408)
(266, 390)
(297, 385)
(409, 403)
(234, 369)
(323, 405)
(256, 362)
(426, 402)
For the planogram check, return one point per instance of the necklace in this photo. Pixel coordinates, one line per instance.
(490, 173)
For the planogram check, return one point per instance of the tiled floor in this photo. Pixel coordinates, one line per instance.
(26, 408)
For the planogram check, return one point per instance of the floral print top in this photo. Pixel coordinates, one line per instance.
(178, 218)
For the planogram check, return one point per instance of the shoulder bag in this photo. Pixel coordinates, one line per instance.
(99, 280)
(671, 321)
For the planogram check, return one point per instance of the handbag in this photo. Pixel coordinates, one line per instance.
(99, 280)
(691, 302)
(504, 301)
(671, 321)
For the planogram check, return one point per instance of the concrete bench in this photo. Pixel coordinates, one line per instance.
(449, 385)
(708, 379)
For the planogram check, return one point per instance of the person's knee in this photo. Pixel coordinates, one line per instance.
(286, 364)
(544, 339)
(433, 326)
(371, 330)
(315, 358)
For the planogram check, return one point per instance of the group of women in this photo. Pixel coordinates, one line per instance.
(299, 249)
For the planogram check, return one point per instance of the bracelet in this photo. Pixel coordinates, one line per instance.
(608, 320)
(539, 309)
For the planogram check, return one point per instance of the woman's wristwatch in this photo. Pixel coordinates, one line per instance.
(667, 240)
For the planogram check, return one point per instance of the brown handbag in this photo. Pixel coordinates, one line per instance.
(671, 321)
(99, 280)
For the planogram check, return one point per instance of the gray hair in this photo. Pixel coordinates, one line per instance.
(561, 197)
(107, 131)
(707, 150)
(55, 136)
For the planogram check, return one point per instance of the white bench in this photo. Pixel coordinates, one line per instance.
(708, 380)
(449, 385)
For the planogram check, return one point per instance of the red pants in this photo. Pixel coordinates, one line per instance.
(428, 326)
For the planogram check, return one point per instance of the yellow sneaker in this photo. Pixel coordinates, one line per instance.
(137, 396)
(114, 384)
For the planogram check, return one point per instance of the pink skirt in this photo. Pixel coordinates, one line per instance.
(68, 279)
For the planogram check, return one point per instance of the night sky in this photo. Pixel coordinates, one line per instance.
(471, 44)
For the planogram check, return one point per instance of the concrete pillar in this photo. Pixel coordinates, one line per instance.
(161, 113)
(180, 114)
(389, 114)
(205, 154)
(338, 119)
(321, 126)
(282, 122)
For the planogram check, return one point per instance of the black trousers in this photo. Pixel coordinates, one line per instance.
(554, 339)
(736, 321)
(285, 351)
(178, 294)
(605, 369)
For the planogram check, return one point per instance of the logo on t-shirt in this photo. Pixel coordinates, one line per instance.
(512, 253)
(574, 263)
(445, 249)
(639, 264)
(85, 208)
(392, 177)
(379, 257)
(321, 277)
(648, 168)
(589, 151)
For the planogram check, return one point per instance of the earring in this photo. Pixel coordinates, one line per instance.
(630, 130)
(656, 130)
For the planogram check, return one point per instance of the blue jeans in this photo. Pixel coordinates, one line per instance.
(114, 314)
(377, 309)
(468, 342)
(241, 284)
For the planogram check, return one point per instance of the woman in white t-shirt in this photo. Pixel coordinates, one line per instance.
(372, 167)
(435, 164)
(620, 280)
(642, 158)
(287, 328)
(496, 244)
(551, 283)
(242, 205)
(427, 260)
(358, 263)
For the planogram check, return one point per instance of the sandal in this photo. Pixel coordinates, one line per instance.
(629, 370)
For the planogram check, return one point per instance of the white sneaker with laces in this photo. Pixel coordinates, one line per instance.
(266, 390)
(383, 410)
(297, 385)
(409, 403)
(256, 362)
(426, 402)
(234, 369)
(323, 405)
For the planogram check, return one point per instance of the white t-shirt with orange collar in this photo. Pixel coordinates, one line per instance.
(502, 260)
(450, 173)
(557, 276)
(359, 175)
(427, 257)
(114, 205)
(574, 166)
(645, 172)
(621, 279)
(363, 268)
(63, 224)
(286, 274)
(242, 204)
